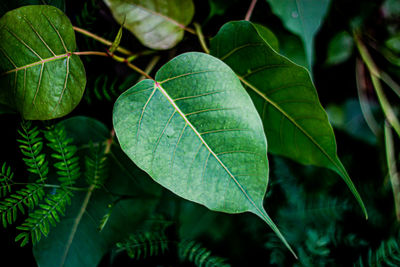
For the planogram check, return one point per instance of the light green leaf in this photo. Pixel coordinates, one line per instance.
(340, 48)
(39, 74)
(157, 24)
(76, 241)
(196, 132)
(295, 123)
(302, 17)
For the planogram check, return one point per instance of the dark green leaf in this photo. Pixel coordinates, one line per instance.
(40, 75)
(196, 132)
(302, 17)
(340, 48)
(157, 24)
(86, 245)
(295, 123)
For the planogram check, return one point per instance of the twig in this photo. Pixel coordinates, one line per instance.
(392, 168)
(375, 76)
(102, 40)
(250, 10)
(115, 57)
(201, 37)
(153, 62)
(364, 102)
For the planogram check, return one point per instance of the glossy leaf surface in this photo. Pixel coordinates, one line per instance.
(40, 77)
(196, 132)
(295, 123)
(157, 24)
(302, 17)
(76, 241)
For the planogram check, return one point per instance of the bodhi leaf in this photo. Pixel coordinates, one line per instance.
(302, 17)
(157, 24)
(195, 131)
(295, 123)
(76, 241)
(39, 74)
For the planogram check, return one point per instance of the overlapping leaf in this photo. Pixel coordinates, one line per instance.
(39, 75)
(302, 17)
(197, 133)
(295, 123)
(157, 24)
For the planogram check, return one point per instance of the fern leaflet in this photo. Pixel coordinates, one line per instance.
(6, 176)
(67, 164)
(96, 166)
(146, 244)
(47, 214)
(388, 254)
(31, 146)
(28, 196)
(193, 252)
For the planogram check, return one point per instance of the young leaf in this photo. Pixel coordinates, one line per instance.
(117, 39)
(197, 133)
(157, 24)
(295, 123)
(302, 17)
(39, 75)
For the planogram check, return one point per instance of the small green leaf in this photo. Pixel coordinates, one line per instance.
(295, 123)
(340, 48)
(302, 17)
(157, 24)
(39, 74)
(117, 39)
(196, 132)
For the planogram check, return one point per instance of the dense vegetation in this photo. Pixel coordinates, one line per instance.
(200, 133)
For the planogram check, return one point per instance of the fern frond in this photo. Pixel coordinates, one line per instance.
(6, 176)
(67, 164)
(39, 221)
(28, 196)
(388, 254)
(31, 146)
(96, 166)
(146, 244)
(194, 252)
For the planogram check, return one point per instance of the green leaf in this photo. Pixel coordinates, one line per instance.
(196, 132)
(7, 5)
(77, 242)
(302, 17)
(268, 36)
(117, 39)
(39, 74)
(295, 123)
(340, 48)
(157, 24)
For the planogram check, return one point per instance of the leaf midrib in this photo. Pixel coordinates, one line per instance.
(172, 102)
(180, 25)
(40, 62)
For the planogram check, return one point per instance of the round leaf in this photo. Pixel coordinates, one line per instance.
(157, 24)
(40, 76)
(196, 132)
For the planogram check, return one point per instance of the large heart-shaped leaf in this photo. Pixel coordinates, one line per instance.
(158, 24)
(302, 17)
(76, 240)
(197, 133)
(39, 74)
(295, 123)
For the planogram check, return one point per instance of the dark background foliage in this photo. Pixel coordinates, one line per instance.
(311, 206)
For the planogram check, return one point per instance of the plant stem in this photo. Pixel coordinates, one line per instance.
(375, 76)
(116, 58)
(392, 168)
(250, 10)
(153, 62)
(56, 186)
(102, 40)
(362, 97)
(201, 37)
